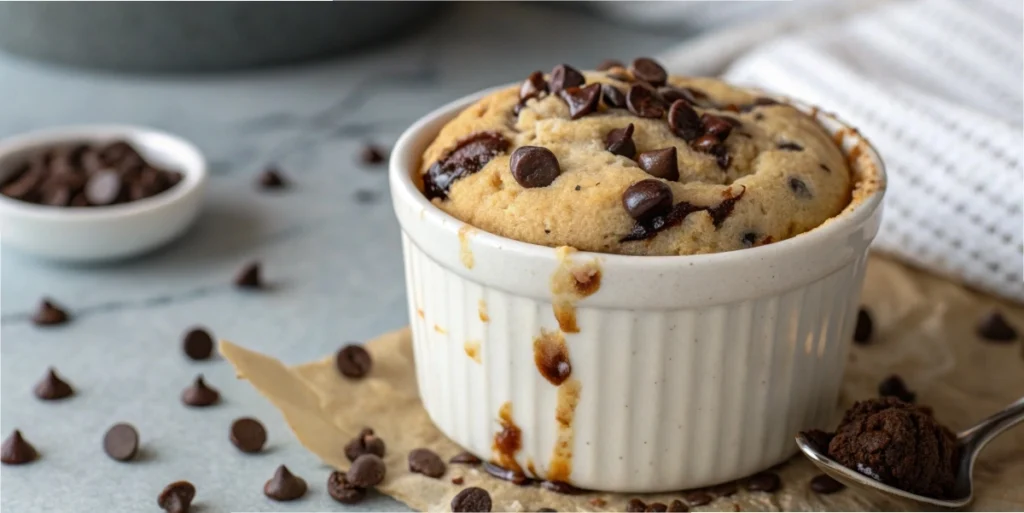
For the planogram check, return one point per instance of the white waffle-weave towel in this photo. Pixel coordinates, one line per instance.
(936, 86)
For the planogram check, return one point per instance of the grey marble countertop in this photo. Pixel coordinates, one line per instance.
(334, 262)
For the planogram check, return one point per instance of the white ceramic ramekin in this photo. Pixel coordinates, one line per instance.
(103, 233)
(687, 371)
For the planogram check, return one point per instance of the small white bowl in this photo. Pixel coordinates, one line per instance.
(92, 234)
(686, 371)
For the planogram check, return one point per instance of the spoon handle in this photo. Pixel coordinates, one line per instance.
(976, 437)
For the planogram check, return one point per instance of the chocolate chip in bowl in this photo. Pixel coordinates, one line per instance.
(95, 193)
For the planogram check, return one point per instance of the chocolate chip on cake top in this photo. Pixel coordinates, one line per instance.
(559, 160)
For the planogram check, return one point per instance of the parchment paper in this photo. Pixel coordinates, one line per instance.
(924, 331)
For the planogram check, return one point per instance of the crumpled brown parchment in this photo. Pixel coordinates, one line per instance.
(924, 331)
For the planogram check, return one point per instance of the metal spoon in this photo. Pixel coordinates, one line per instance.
(969, 442)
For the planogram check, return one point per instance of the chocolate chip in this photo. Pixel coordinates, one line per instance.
(661, 163)
(994, 328)
(199, 394)
(893, 386)
(547, 510)
(533, 86)
(717, 126)
(49, 314)
(249, 277)
(121, 442)
(56, 196)
(671, 94)
(759, 102)
(824, 168)
(426, 462)
(343, 491)
(469, 156)
(534, 166)
(749, 239)
(472, 499)
(365, 196)
(52, 388)
(353, 361)
(697, 498)
(677, 505)
(619, 141)
(799, 187)
(271, 178)
(372, 154)
(636, 505)
(684, 121)
(613, 96)
(706, 143)
(824, 485)
(647, 198)
(103, 188)
(862, 333)
(764, 482)
(365, 443)
(465, 458)
(284, 486)
(458, 481)
(366, 471)
(517, 478)
(197, 344)
(117, 152)
(648, 70)
(581, 100)
(16, 450)
(608, 64)
(657, 507)
(561, 487)
(647, 228)
(565, 76)
(789, 146)
(722, 157)
(641, 100)
(177, 497)
(248, 435)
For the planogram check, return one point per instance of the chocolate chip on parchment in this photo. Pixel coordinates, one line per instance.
(636, 505)
(799, 188)
(641, 100)
(994, 328)
(677, 505)
(353, 361)
(533, 86)
(789, 146)
(199, 394)
(49, 314)
(719, 127)
(426, 462)
(517, 478)
(684, 121)
(825, 485)
(472, 499)
(661, 163)
(581, 100)
(764, 482)
(365, 443)
(249, 277)
(648, 70)
(271, 178)
(613, 96)
(465, 458)
(469, 156)
(177, 497)
(697, 498)
(121, 442)
(284, 486)
(52, 387)
(372, 154)
(366, 471)
(197, 344)
(103, 187)
(619, 141)
(248, 435)
(534, 166)
(16, 450)
(647, 198)
(565, 76)
(893, 386)
(561, 487)
(865, 326)
(343, 491)
(658, 507)
(608, 64)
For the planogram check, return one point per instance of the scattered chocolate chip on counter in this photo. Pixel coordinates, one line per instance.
(465, 458)
(458, 481)
(865, 327)
(764, 482)
(893, 386)
(249, 277)
(353, 361)
(121, 442)
(825, 485)
(284, 486)
(534, 166)
(365, 443)
(993, 327)
(472, 499)
(52, 387)
(197, 344)
(248, 435)
(658, 507)
(677, 505)
(272, 179)
(49, 314)
(697, 498)
(199, 394)
(426, 462)
(343, 491)
(366, 471)
(372, 154)
(635, 505)
(177, 497)
(16, 450)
